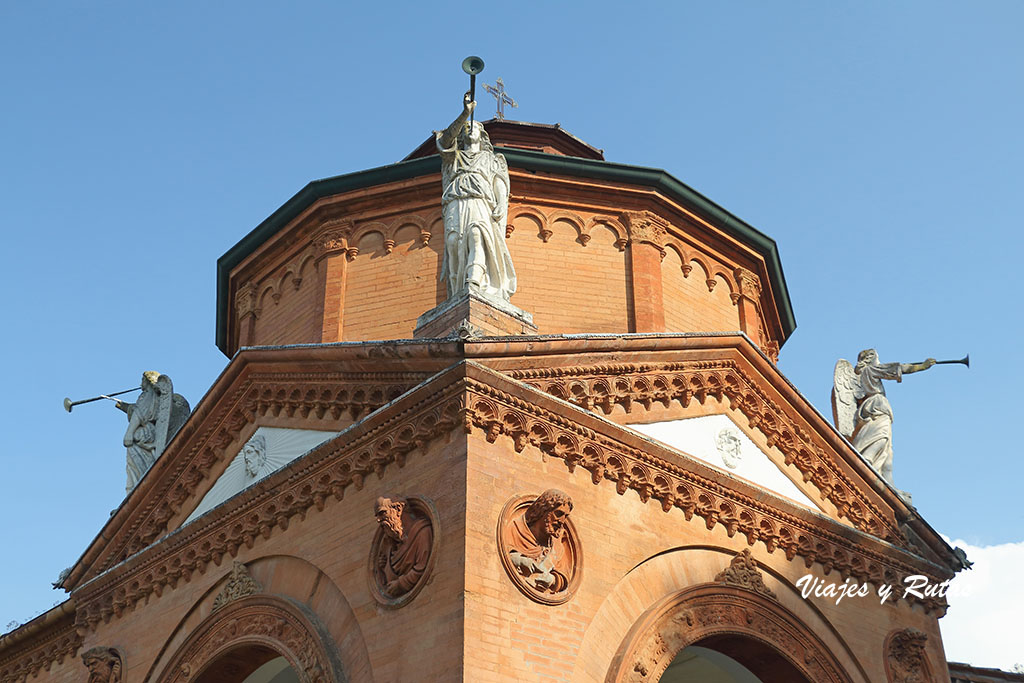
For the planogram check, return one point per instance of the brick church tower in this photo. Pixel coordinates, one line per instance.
(618, 486)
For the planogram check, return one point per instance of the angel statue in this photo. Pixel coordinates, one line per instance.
(860, 409)
(475, 209)
(152, 420)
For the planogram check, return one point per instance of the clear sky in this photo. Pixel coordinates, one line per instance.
(879, 144)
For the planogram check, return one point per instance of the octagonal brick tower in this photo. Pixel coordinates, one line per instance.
(598, 247)
(683, 490)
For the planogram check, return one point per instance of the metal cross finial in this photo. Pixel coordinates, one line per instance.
(502, 97)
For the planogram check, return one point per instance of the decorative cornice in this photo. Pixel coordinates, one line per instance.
(324, 473)
(628, 384)
(40, 653)
(744, 573)
(737, 508)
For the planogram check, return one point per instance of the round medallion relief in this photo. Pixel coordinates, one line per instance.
(403, 549)
(539, 546)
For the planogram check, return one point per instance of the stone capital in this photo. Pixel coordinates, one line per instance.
(332, 238)
(246, 303)
(749, 284)
(645, 227)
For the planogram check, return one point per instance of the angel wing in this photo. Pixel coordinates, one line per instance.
(845, 390)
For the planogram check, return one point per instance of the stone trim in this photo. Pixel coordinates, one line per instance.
(712, 609)
(264, 620)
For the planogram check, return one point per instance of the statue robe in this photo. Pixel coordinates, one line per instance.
(872, 436)
(475, 198)
(406, 560)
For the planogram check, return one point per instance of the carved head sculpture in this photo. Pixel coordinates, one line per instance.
(865, 358)
(469, 137)
(729, 446)
(149, 379)
(254, 453)
(547, 515)
(104, 665)
(388, 512)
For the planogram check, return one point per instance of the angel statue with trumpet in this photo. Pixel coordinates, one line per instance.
(862, 412)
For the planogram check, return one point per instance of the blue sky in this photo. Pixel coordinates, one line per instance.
(879, 144)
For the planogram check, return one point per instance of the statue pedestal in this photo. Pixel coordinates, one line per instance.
(471, 315)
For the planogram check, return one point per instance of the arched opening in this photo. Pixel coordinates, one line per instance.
(730, 659)
(718, 633)
(257, 639)
(249, 664)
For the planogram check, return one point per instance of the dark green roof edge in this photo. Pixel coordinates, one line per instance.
(532, 161)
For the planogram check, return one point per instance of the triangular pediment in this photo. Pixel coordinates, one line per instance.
(605, 386)
(267, 450)
(721, 443)
(463, 399)
(308, 393)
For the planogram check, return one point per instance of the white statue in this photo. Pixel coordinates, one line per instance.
(860, 409)
(152, 420)
(475, 205)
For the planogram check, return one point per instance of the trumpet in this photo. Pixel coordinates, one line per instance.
(69, 404)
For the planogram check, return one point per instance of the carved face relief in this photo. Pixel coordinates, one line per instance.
(729, 445)
(104, 665)
(402, 553)
(254, 452)
(389, 516)
(539, 546)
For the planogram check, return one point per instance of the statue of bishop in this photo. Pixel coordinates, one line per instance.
(475, 209)
(152, 420)
(860, 409)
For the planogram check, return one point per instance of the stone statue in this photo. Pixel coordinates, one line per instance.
(475, 207)
(104, 664)
(152, 420)
(860, 409)
(534, 541)
(404, 553)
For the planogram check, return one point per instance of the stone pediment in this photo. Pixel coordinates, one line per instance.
(316, 389)
(718, 441)
(267, 450)
(478, 403)
(508, 390)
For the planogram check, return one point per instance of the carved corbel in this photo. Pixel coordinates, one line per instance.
(645, 227)
(332, 238)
